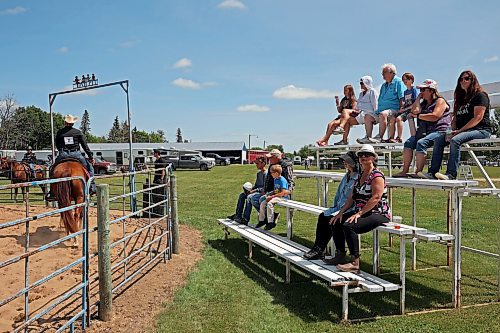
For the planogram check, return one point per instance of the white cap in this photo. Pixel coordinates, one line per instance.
(247, 186)
(366, 148)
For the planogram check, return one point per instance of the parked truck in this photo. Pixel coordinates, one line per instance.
(191, 161)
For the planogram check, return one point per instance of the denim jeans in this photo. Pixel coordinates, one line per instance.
(241, 204)
(421, 146)
(455, 143)
(78, 155)
(251, 201)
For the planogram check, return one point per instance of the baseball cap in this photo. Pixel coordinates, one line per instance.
(428, 83)
(275, 152)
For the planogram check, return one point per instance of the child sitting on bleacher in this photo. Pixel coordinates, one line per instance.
(268, 200)
(410, 95)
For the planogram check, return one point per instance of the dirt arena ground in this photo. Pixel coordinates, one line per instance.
(134, 307)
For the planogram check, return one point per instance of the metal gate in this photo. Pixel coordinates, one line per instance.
(48, 285)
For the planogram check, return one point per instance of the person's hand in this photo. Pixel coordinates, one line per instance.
(353, 218)
(269, 198)
(91, 161)
(336, 218)
(453, 133)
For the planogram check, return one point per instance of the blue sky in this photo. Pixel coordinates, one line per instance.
(222, 69)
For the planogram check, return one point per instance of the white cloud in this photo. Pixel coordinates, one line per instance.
(209, 84)
(293, 92)
(491, 59)
(232, 4)
(185, 83)
(252, 108)
(63, 49)
(13, 11)
(130, 43)
(183, 63)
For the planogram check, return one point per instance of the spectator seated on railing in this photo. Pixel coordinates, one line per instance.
(471, 120)
(433, 117)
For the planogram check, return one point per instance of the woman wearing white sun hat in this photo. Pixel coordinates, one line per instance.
(371, 208)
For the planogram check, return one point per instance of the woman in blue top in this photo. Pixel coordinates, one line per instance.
(324, 228)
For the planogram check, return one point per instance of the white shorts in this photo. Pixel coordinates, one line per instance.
(360, 118)
(392, 113)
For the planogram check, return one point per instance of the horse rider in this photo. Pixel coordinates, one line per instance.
(30, 159)
(68, 142)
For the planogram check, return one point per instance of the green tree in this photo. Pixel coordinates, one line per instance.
(157, 137)
(279, 147)
(114, 132)
(179, 136)
(305, 151)
(85, 123)
(95, 139)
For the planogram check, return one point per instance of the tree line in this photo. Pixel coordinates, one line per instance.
(22, 126)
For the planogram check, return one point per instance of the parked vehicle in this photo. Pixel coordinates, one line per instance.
(223, 161)
(297, 160)
(191, 162)
(102, 167)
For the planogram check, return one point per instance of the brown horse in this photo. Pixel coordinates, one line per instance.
(67, 192)
(20, 173)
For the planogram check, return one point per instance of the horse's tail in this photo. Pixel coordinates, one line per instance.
(64, 200)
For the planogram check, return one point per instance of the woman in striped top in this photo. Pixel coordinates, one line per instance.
(372, 210)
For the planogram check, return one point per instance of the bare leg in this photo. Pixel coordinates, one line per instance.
(407, 158)
(332, 125)
(369, 121)
(347, 128)
(344, 117)
(382, 117)
(392, 127)
(420, 161)
(411, 123)
(399, 124)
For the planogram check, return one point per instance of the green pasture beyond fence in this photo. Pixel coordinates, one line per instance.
(229, 293)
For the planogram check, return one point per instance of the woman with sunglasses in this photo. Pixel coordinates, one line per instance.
(433, 118)
(371, 209)
(323, 227)
(471, 120)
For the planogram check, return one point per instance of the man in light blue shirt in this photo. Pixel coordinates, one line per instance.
(390, 100)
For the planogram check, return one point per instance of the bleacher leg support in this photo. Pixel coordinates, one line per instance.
(414, 223)
(250, 249)
(345, 302)
(287, 278)
(402, 273)
(376, 252)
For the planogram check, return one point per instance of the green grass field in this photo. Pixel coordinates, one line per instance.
(230, 293)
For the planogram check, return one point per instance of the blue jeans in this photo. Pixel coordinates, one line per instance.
(455, 143)
(421, 146)
(240, 204)
(78, 155)
(253, 200)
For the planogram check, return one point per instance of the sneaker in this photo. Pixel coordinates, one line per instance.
(270, 226)
(338, 130)
(426, 175)
(363, 140)
(340, 143)
(441, 176)
(374, 140)
(260, 224)
(232, 217)
(314, 253)
(352, 266)
(244, 221)
(238, 219)
(276, 217)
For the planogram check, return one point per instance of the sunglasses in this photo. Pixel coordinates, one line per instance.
(465, 78)
(365, 154)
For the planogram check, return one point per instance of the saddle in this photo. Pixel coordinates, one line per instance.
(68, 159)
(26, 166)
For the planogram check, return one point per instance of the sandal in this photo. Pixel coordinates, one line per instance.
(398, 140)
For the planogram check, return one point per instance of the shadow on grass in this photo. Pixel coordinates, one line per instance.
(310, 299)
